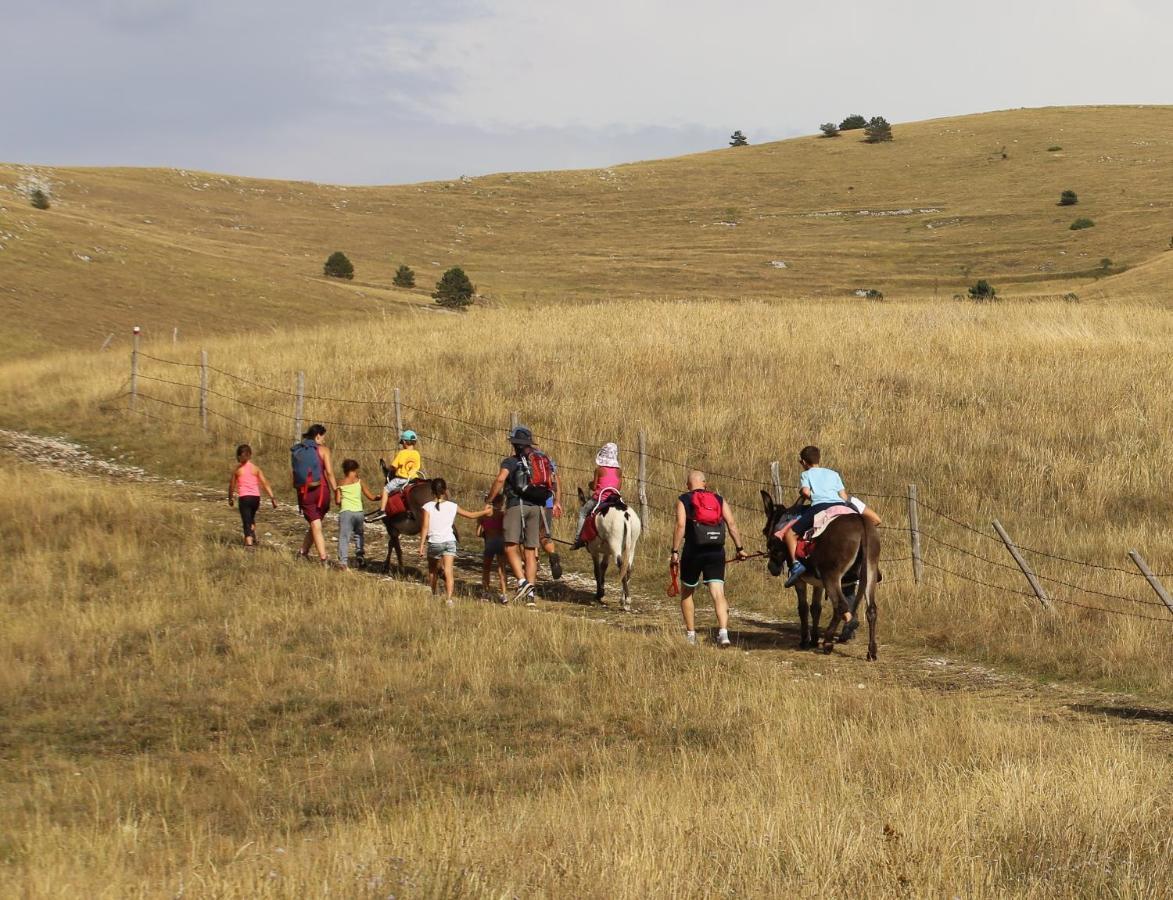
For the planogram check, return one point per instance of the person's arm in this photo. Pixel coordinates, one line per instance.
(678, 532)
(594, 485)
(328, 467)
(727, 515)
(557, 510)
(479, 514)
(265, 486)
(232, 486)
(844, 495)
(498, 486)
(424, 533)
(366, 493)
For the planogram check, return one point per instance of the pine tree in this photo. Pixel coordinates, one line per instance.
(454, 290)
(983, 290)
(878, 130)
(829, 129)
(852, 122)
(737, 139)
(1068, 198)
(404, 277)
(338, 266)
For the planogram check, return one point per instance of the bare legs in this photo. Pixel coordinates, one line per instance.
(314, 536)
(688, 610)
(436, 565)
(527, 569)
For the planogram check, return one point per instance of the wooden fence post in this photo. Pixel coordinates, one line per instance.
(776, 480)
(1153, 580)
(398, 416)
(134, 368)
(1022, 564)
(299, 406)
(204, 389)
(514, 420)
(918, 566)
(643, 477)
(174, 335)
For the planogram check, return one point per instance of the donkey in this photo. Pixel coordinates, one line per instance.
(619, 529)
(836, 551)
(408, 524)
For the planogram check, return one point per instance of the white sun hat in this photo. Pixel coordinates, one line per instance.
(608, 456)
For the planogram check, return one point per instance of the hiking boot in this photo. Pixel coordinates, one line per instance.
(796, 572)
(555, 566)
(723, 638)
(523, 588)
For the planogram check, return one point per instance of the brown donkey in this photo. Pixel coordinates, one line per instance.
(837, 550)
(416, 493)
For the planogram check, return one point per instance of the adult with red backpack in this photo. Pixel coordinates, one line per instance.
(698, 552)
(313, 479)
(527, 480)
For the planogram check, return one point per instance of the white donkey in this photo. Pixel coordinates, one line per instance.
(618, 529)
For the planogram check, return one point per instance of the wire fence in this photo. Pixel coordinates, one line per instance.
(474, 449)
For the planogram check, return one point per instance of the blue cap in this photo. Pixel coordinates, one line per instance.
(408, 435)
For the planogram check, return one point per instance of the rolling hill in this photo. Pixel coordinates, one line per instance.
(947, 202)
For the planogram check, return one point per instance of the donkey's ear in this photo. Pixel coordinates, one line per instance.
(767, 503)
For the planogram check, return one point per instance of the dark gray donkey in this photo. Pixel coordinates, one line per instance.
(849, 542)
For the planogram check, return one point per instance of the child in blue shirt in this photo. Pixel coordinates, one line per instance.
(822, 488)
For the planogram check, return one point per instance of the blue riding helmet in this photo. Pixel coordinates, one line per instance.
(408, 435)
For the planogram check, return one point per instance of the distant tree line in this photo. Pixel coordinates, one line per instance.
(876, 129)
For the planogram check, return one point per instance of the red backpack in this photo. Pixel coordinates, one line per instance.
(706, 507)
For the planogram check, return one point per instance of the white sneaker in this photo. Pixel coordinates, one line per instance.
(690, 636)
(530, 598)
(450, 602)
(723, 638)
(523, 587)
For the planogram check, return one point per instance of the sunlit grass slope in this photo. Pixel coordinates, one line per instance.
(1053, 417)
(182, 719)
(948, 202)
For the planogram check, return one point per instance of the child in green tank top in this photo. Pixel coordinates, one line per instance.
(349, 496)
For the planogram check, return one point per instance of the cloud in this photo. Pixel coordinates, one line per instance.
(377, 92)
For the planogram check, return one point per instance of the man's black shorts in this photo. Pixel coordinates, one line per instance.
(707, 563)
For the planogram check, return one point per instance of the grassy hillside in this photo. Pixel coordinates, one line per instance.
(1020, 412)
(948, 202)
(182, 719)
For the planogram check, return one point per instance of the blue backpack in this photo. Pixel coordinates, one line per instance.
(307, 464)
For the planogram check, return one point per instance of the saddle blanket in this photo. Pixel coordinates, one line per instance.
(825, 517)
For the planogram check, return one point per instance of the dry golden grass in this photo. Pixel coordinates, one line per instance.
(1053, 417)
(174, 725)
(208, 253)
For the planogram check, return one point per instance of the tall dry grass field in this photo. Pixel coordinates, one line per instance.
(1053, 417)
(183, 719)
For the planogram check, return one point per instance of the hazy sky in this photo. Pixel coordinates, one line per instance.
(405, 90)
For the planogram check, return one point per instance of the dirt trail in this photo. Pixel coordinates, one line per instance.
(752, 632)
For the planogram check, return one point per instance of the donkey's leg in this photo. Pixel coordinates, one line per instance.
(390, 547)
(600, 576)
(398, 554)
(833, 585)
(804, 628)
(873, 616)
(816, 615)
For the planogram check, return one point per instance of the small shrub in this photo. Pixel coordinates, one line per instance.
(878, 130)
(829, 129)
(1081, 223)
(1054, 149)
(338, 266)
(981, 291)
(1071, 297)
(1105, 264)
(454, 290)
(853, 122)
(737, 139)
(39, 199)
(873, 294)
(404, 277)
(1068, 198)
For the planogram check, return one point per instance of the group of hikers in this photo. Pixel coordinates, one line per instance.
(516, 518)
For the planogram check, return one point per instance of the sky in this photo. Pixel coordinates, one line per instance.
(366, 92)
